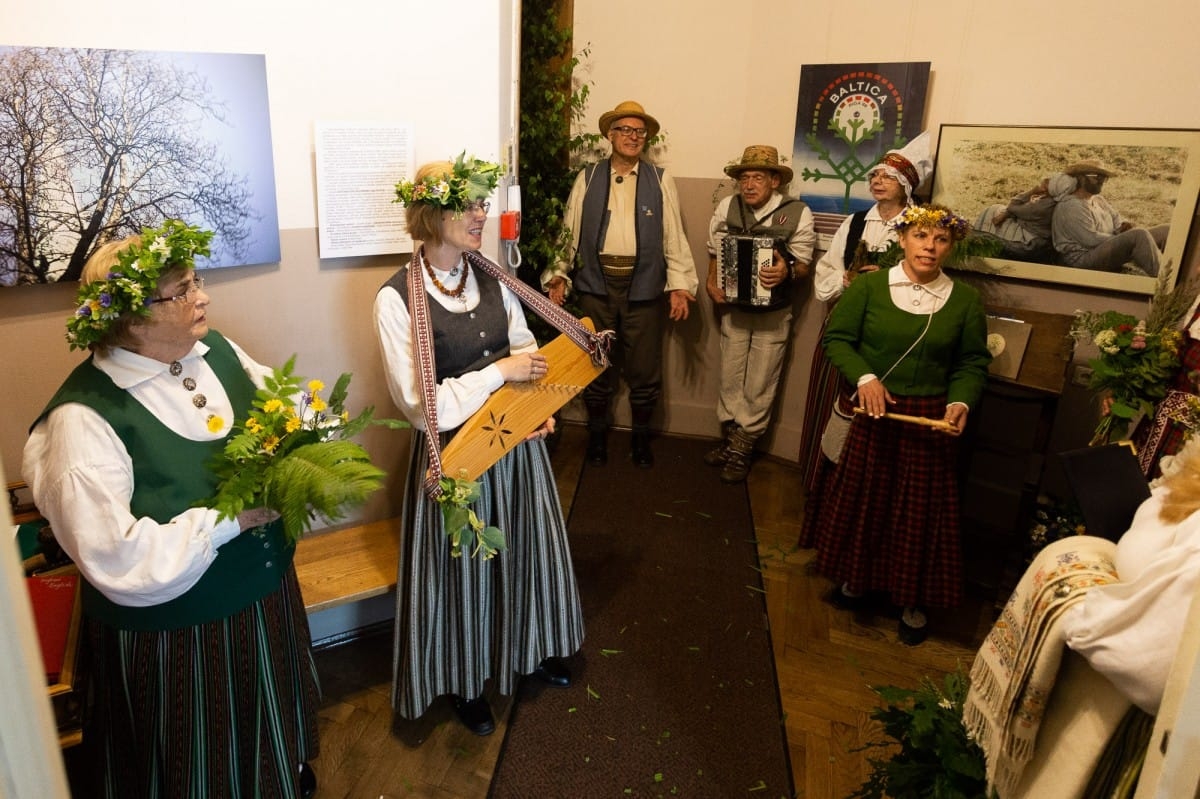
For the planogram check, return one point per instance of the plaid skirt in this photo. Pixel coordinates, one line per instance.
(885, 518)
(222, 709)
(823, 384)
(461, 621)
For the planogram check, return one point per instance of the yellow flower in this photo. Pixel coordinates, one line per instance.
(271, 443)
(318, 404)
(293, 424)
(216, 423)
(272, 405)
(252, 425)
(315, 385)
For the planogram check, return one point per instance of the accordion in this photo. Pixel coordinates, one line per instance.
(740, 259)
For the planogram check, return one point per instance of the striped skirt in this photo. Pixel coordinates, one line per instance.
(886, 517)
(222, 709)
(461, 621)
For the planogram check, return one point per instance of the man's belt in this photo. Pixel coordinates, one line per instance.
(617, 265)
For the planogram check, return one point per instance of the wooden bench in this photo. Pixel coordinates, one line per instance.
(348, 565)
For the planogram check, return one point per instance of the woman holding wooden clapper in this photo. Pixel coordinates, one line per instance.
(912, 343)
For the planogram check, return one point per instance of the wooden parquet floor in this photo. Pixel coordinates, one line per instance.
(826, 661)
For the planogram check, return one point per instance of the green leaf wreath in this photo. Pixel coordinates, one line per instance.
(295, 457)
(458, 493)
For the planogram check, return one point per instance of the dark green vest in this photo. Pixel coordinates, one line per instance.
(171, 474)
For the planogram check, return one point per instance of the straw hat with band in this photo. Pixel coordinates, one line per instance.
(762, 157)
(1089, 166)
(629, 108)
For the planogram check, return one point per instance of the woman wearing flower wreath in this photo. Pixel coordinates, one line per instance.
(448, 342)
(914, 344)
(200, 681)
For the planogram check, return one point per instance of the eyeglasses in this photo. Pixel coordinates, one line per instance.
(477, 205)
(755, 180)
(625, 130)
(185, 296)
(881, 174)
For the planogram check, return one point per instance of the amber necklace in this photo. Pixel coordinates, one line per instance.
(462, 283)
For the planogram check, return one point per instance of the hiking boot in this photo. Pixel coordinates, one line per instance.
(717, 455)
(741, 452)
(736, 468)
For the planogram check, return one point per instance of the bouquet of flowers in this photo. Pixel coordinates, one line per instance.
(296, 457)
(1137, 357)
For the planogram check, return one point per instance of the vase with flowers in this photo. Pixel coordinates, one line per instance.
(1137, 357)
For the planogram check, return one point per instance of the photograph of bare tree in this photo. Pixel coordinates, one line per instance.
(98, 144)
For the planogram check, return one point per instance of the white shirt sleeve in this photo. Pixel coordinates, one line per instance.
(827, 280)
(681, 269)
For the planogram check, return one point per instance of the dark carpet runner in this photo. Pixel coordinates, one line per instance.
(675, 691)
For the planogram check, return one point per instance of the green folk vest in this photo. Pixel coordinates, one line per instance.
(780, 225)
(171, 474)
(650, 271)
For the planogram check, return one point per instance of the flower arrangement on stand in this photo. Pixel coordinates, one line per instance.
(295, 457)
(1137, 357)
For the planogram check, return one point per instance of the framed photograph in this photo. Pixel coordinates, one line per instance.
(1104, 208)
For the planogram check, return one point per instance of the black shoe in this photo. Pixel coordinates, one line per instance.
(553, 671)
(717, 455)
(597, 448)
(475, 715)
(912, 636)
(843, 601)
(642, 456)
(308, 782)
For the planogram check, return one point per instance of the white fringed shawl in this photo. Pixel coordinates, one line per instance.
(1015, 669)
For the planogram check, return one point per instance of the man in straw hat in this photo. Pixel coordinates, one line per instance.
(627, 251)
(754, 338)
(1090, 234)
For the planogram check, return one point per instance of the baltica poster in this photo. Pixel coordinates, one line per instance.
(847, 117)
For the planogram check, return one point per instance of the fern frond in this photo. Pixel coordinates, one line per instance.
(325, 478)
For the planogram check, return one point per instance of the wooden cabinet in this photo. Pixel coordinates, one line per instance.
(1004, 454)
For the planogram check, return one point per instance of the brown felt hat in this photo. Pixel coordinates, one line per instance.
(629, 108)
(1087, 166)
(763, 157)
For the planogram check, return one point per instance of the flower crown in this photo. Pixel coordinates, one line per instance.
(130, 285)
(469, 180)
(932, 216)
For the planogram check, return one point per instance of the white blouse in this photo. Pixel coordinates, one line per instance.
(81, 477)
(457, 397)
